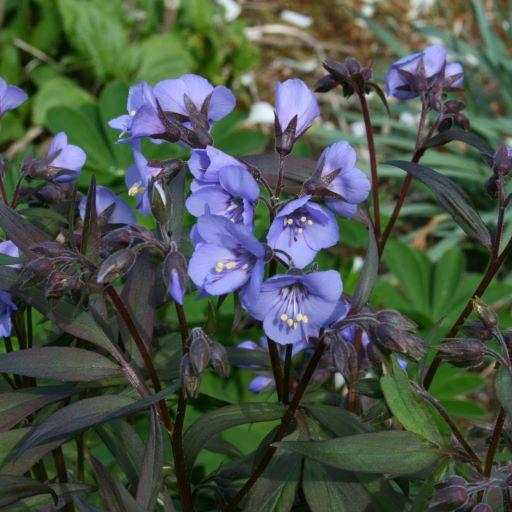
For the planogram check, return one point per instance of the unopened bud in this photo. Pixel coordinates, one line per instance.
(116, 266)
(477, 330)
(449, 495)
(394, 318)
(395, 340)
(325, 84)
(34, 272)
(463, 353)
(345, 359)
(175, 275)
(160, 201)
(445, 124)
(486, 314)
(219, 360)
(189, 378)
(199, 350)
(491, 187)
(461, 120)
(59, 283)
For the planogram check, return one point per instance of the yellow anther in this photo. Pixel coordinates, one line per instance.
(284, 317)
(136, 188)
(133, 112)
(305, 319)
(289, 322)
(300, 230)
(310, 222)
(295, 325)
(230, 265)
(220, 265)
(303, 219)
(289, 221)
(299, 317)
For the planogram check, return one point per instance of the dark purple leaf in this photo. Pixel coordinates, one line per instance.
(15, 488)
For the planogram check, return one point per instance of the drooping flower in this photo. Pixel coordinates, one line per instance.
(294, 307)
(205, 164)
(138, 177)
(139, 95)
(234, 197)
(301, 228)
(343, 185)
(10, 97)
(175, 274)
(174, 97)
(410, 76)
(7, 306)
(106, 200)
(227, 258)
(294, 98)
(67, 157)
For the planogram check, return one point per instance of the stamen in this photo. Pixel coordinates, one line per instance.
(295, 325)
(284, 317)
(300, 231)
(133, 112)
(299, 317)
(230, 265)
(289, 322)
(289, 221)
(305, 319)
(303, 218)
(136, 188)
(310, 222)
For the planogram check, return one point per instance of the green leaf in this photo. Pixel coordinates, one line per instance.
(368, 275)
(503, 388)
(151, 58)
(112, 491)
(9, 444)
(16, 405)
(214, 422)
(59, 363)
(15, 488)
(452, 198)
(275, 490)
(392, 452)
(58, 92)
(10, 260)
(151, 470)
(448, 274)
(89, 412)
(327, 488)
(336, 419)
(469, 138)
(407, 406)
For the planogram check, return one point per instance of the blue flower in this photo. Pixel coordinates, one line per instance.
(301, 228)
(294, 307)
(7, 306)
(427, 65)
(105, 198)
(294, 98)
(233, 197)
(67, 157)
(10, 97)
(350, 183)
(139, 95)
(137, 179)
(205, 165)
(214, 102)
(227, 258)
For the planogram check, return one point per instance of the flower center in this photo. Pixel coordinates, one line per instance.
(235, 209)
(291, 311)
(298, 221)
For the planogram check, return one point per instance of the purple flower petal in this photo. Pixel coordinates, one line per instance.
(260, 383)
(294, 98)
(175, 289)
(70, 157)
(105, 198)
(222, 103)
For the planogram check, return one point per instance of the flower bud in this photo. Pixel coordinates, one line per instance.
(390, 338)
(160, 201)
(502, 161)
(286, 138)
(491, 187)
(175, 275)
(219, 360)
(189, 378)
(461, 120)
(477, 330)
(463, 353)
(486, 314)
(116, 266)
(394, 318)
(450, 495)
(345, 359)
(325, 84)
(199, 350)
(35, 272)
(59, 283)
